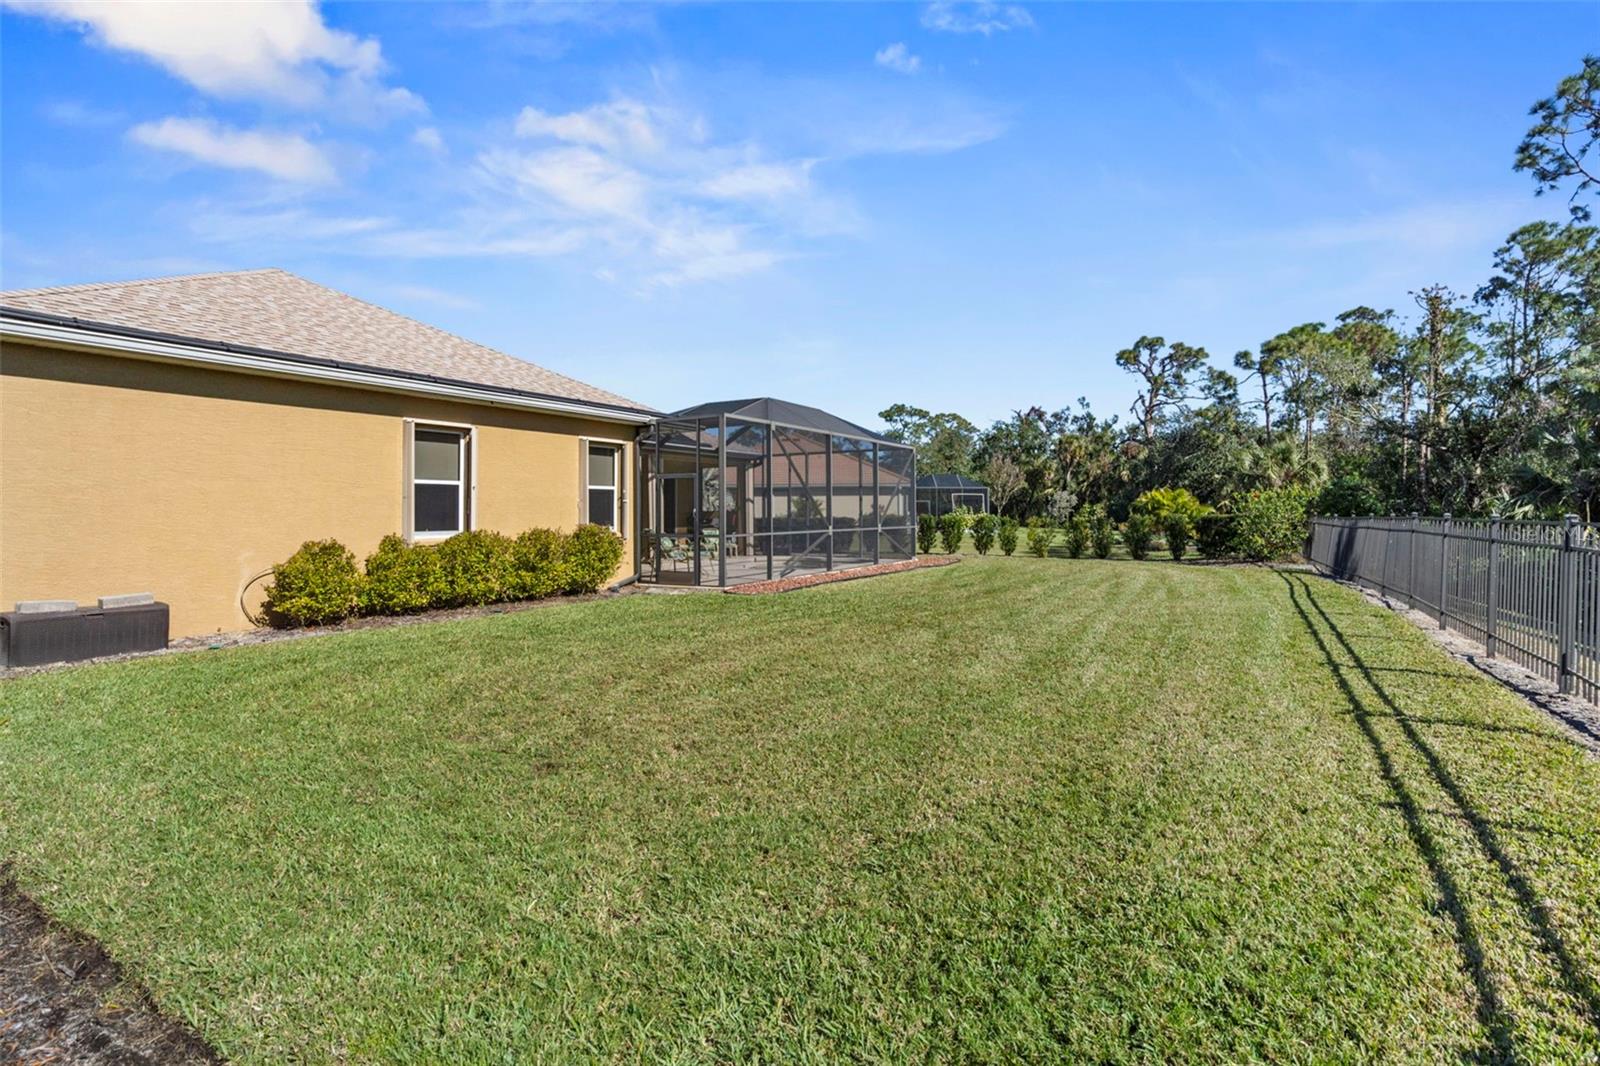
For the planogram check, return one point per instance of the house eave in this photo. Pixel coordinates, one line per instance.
(62, 332)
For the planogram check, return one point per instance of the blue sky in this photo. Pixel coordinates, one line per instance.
(965, 207)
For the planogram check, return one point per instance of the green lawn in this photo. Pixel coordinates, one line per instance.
(1011, 809)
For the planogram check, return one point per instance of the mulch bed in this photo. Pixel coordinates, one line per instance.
(63, 1000)
(803, 581)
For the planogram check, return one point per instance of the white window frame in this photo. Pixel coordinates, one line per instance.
(617, 449)
(624, 472)
(467, 485)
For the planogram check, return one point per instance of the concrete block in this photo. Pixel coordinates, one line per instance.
(127, 599)
(45, 606)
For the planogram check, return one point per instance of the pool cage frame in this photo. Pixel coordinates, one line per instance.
(939, 494)
(758, 490)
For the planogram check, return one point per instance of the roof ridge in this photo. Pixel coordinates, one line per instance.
(91, 285)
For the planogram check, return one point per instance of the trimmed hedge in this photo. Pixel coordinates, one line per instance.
(320, 584)
(402, 578)
(1179, 530)
(538, 567)
(1102, 533)
(317, 585)
(952, 526)
(1008, 535)
(983, 531)
(1137, 534)
(1078, 535)
(476, 568)
(591, 557)
(1271, 523)
(927, 533)
(1214, 535)
(1040, 536)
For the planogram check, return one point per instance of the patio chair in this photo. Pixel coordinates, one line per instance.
(673, 550)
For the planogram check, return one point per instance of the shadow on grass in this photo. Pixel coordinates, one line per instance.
(1491, 1010)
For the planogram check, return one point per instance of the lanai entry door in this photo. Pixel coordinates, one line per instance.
(681, 534)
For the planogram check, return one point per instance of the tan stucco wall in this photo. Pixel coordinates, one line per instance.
(124, 475)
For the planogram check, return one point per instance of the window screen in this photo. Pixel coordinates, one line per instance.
(438, 489)
(601, 472)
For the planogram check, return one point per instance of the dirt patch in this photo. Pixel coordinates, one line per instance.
(787, 584)
(1580, 719)
(62, 999)
(267, 635)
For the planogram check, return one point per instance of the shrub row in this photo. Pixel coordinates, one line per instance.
(320, 584)
(1264, 525)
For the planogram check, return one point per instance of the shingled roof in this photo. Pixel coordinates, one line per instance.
(282, 312)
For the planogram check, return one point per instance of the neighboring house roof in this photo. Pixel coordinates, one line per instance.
(950, 481)
(767, 409)
(284, 314)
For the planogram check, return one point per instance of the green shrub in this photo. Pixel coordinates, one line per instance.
(1271, 523)
(1040, 536)
(317, 585)
(475, 568)
(1179, 530)
(1008, 535)
(927, 533)
(951, 528)
(1350, 496)
(402, 578)
(1214, 535)
(1102, 533)
(983, 531)
(1161, 504)
(538, 565)
(1137, 533)
(591, 558)
(1077, 534)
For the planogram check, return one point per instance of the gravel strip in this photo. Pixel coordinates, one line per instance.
(62, 999)
(1579, 718)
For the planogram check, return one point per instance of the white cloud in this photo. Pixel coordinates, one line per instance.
(898, 58)
(281, 51)
(985, 16)
(621, 125)
(648, 184)
(760, 181)
(283, 155)
(428, 137)
(580, 179)
(638, 190)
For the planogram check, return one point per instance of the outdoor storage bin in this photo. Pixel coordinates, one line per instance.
(30, 639)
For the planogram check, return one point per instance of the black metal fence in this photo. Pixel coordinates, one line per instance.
(1527, 591)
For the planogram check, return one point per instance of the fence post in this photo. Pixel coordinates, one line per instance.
(1411, 562)
(1444, 561)
(1567, 601)
(1383, 567)
(1491, 613)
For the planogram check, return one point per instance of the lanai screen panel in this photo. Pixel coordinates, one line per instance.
(897, 481)
(800, 501)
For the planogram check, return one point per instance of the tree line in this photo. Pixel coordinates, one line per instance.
(1475, 403)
